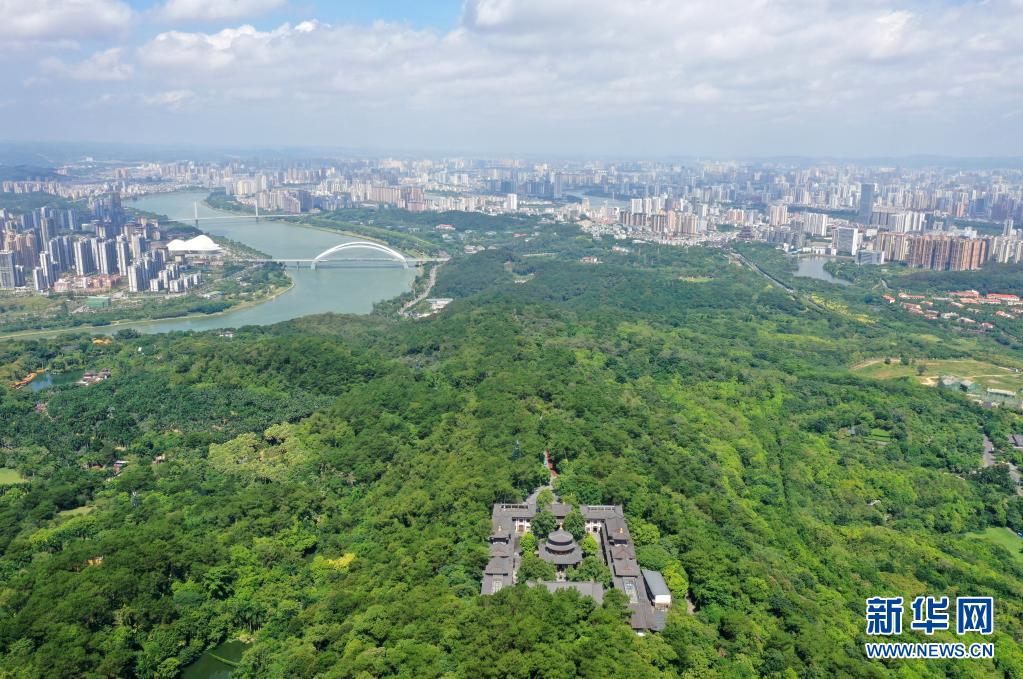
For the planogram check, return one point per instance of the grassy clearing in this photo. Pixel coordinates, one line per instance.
(985, 374)
(11, 476)
(1004, 537)
(77, 511)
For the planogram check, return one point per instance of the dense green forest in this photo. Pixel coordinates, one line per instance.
(321, 489)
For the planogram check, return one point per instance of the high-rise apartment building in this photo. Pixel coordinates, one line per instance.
(948, 253)
(138, 246)
(84, 263)
(847, 240)
(866, 203)
(107, 261)
(8, 279)
(123, 249)
(815, 223)
(138, 278)
(895, 246)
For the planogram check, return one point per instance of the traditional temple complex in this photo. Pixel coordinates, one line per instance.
(649, 597)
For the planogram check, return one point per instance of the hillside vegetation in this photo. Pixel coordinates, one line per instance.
(325, 484)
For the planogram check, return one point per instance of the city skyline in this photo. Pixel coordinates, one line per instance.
(882, 79)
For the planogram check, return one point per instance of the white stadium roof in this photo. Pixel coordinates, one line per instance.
(201, 243)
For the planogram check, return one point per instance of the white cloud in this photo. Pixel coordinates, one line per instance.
(651, 52)
(104, 65)
(173, 99)
(62, 19)
(214, 10)
(515, 69)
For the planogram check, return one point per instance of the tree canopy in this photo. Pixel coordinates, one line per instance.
(322, 488)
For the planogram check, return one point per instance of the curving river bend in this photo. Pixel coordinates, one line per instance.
(341, 290)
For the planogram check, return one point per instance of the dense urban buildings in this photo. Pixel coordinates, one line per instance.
(931, 218)
(58, 250)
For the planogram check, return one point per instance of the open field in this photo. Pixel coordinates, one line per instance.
(1004, 537)
(10, 476)
(985, 374)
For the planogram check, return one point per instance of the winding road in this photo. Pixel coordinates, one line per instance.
(429, 286)
(989, 461)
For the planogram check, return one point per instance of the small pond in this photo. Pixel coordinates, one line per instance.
(48, 379)
(210, 666)
(813, 267)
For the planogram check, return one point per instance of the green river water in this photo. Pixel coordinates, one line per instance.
(326, 289)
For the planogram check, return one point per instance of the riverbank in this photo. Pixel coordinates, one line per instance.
(342, 290)
(129, 323)
(396, 242)
(431, 281)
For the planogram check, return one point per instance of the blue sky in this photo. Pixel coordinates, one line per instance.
(644, 78)
(441, 14)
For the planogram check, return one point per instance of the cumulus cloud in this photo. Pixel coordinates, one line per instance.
(62, 19)
(652, 52)
(102, 66)
(214, 10)
(512, 68)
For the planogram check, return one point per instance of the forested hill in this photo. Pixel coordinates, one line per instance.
(324, 486)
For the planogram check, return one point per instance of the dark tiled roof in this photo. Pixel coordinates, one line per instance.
(560, 538)
(626, 551)
(561, 549)
(567, 558)
(590, 589)
(625, 568)
(501, 549)
(494, 583)
(504, 516)
(499, 565)
(559, 509)
(598, 512)
(647, 618)
(616, 529)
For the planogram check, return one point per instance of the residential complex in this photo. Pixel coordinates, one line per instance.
(55, 250)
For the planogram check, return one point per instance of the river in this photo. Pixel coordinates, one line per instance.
(338, 289)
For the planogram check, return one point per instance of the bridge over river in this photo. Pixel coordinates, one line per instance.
(393, 256)
(336, 285)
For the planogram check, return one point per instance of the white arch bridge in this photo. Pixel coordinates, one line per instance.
(392, 255)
